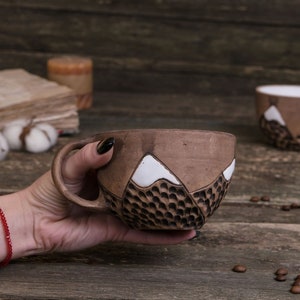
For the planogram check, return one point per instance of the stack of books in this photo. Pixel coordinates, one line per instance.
(24, 95)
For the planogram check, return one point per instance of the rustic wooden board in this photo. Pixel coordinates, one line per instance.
(115, 282)
(124, 271)
(259, 235)
(176, 40)
(276, 13)
(162, 46)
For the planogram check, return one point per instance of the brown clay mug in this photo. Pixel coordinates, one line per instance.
(159, 178)
(278, 110)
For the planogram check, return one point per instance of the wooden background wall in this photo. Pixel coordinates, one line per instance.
(194, 46)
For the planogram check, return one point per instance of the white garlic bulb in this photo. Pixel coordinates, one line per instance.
(24, 134)
(3, 147)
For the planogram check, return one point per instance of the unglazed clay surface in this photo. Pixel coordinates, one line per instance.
(274, 127)
(195, 158)
(162, 202)
(278, 134)
(278, 108)
(162, 179)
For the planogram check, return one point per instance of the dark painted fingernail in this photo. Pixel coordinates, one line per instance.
(105, 145)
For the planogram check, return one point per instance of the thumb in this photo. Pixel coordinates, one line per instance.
(91, 156)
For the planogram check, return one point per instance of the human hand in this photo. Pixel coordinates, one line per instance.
(59, 225)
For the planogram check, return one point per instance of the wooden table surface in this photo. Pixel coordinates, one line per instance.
(259, 235)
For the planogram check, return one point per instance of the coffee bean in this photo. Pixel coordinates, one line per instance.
(265, 198)
(282, 271)
(295, 289)
(294, 206)
(296, 282)
(280, 277)
(254, 199)
(286, 207)
(239, 269)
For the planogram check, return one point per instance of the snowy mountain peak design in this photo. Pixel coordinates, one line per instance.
(150, 170)
(273, 114)
(227, 173)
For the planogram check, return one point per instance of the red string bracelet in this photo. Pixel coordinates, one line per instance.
(7, 240)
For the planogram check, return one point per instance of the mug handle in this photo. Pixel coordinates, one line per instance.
(98, 204)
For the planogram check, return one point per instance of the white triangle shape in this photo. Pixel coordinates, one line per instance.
(273, 114)
(150, 170)
(229, 170)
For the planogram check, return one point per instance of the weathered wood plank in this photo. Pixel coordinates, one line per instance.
(140, 38)
(234, 109)
(124, 271)
(248, 212)
(140, 76)
(239, 11)
(115, 282)
(160, 46)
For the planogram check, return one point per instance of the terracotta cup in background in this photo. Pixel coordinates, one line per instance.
(278, 112)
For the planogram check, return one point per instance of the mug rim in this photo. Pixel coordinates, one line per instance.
(205, 131)
(287, 90)
(213, 150)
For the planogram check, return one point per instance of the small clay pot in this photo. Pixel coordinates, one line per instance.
(278, 109)
(159, 178)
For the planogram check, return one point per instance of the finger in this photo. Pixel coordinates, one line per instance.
(93, 229)
(91, 156)
(159, 237)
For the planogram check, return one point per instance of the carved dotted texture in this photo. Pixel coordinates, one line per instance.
(164, 205)
(278, 135)
(209, 199)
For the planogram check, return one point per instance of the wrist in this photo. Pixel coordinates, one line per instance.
(7, 239)
(19, 219)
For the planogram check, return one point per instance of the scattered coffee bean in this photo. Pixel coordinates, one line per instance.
(280, 277)
(265, 198)
(239, 269)
(254, 199)
(286, 207)
(295, 289)
(294, 206)
(296, 282)
(289, 207)
(282, 271)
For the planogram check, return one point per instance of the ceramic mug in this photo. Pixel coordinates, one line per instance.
(159, 178)
(278, 110)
